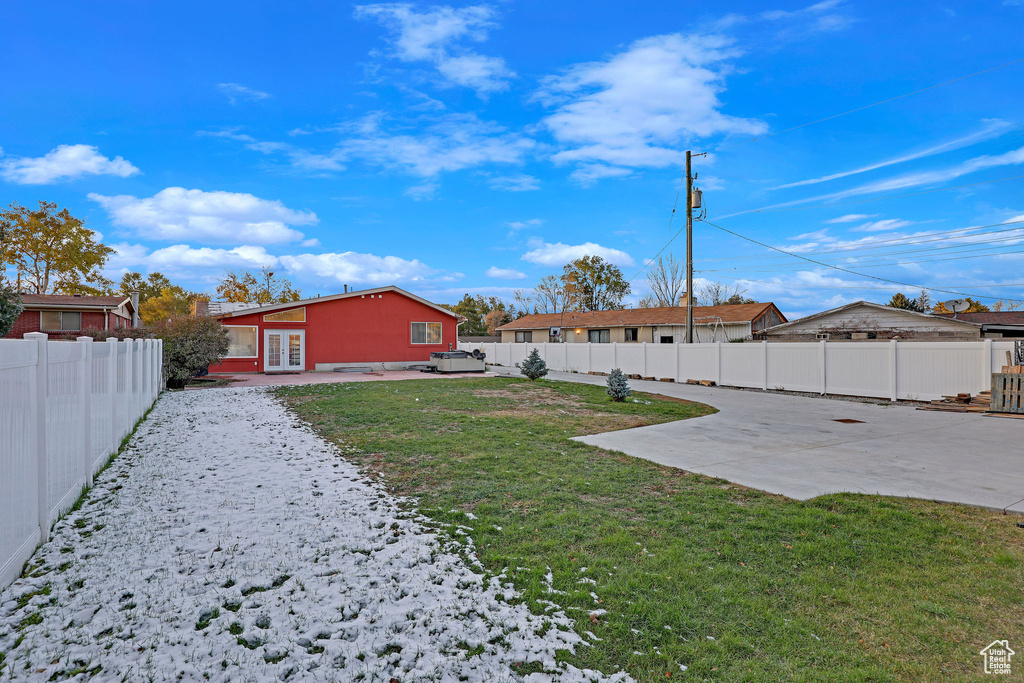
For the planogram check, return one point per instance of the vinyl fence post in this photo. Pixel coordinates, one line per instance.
(822, 360)
(85, 396)
(676, 375)
(644, 373)
(43, 508)
(615, 356)
(115, 438)
(764, 365)
(893, 351)
(986, 367)
(565, 353)
(718, 377)
(144, 378)
(127, 401)
(590, 358)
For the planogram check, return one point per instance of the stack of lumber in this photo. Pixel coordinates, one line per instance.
(962, 403)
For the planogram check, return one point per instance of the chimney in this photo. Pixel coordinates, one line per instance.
(135, 310)
(201, 307)
(684, 300)
(346, 289)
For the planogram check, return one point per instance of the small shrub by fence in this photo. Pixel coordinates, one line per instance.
(64, 409)
(892, 370)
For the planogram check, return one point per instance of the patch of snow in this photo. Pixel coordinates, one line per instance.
(231, 543)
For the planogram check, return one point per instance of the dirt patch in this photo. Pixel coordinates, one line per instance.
(539, 395)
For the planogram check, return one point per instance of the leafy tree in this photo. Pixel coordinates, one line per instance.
(974, 307)
(191, 345)
(482, 314)
(534, 366)
(146, 287)
(495, 319)
(618, 387)
(739, 299)
(52, 251)
(901, 300)
(172, 301)
(593, 284)
(1010, 305)
(10, 307)
(666, 279)
(263, 288)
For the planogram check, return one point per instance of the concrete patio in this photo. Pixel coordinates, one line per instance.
(794, 446)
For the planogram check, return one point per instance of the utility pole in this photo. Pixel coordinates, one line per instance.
(689, 251)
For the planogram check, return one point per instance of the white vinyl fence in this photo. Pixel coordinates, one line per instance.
(893, 370)
(64, 409)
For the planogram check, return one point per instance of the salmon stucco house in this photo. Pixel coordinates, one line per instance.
(385, 327)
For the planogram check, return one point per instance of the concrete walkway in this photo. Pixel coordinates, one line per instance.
(792, 445)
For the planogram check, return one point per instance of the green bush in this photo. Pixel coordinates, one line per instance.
(534, 366)
(10, 307)
(618, 387)
(191, 345)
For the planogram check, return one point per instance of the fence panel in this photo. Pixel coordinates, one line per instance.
(859, 369)
(65, 425)
(102, 406)
(895, 369)
(19, 490)
(64, 408)
(742, 365)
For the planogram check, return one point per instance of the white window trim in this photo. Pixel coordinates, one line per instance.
(425, 322)
(251, 327)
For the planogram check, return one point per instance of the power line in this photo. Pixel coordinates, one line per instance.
(810, 286)
(907, 241)
(845, 270)
(868, 106)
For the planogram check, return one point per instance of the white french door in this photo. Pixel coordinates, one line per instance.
(284, 350)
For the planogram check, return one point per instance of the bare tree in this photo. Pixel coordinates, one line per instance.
(718, 294)
(647, 302)
(550, 296)
(666, 279)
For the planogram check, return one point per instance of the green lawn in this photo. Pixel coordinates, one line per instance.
(735, 584)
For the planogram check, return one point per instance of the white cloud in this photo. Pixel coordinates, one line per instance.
(588, 174)
(436, 36)
(981, 163)
(851, 218)
(638, 107)
(505, 273)
(65, 161)
(236, 92)
(529, 223)
(452, 143)
(421, 191)
(993, 128)
(882, 225)
(212, 217)
(351, 267)
(179, 257)
(514, 183)
(558, 254)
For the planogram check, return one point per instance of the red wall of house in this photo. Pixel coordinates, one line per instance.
(28, 321)
(357, 329)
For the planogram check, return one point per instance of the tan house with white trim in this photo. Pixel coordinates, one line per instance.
(662, 325)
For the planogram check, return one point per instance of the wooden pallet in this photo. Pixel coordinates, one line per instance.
(1008, 392)
(962, 403)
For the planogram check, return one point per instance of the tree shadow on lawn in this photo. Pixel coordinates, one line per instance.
(732, 583)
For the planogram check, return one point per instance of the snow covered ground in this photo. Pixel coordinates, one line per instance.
(230, 542)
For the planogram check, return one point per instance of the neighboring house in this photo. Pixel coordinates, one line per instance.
(215, 308)
(863, 320)
(479, 339)
(66, 315)
(663, 325)
(994, 324)
(385, 326)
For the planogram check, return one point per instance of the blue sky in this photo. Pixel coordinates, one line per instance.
(478, 147)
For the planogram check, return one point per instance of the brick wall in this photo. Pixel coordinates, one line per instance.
(28, 321)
